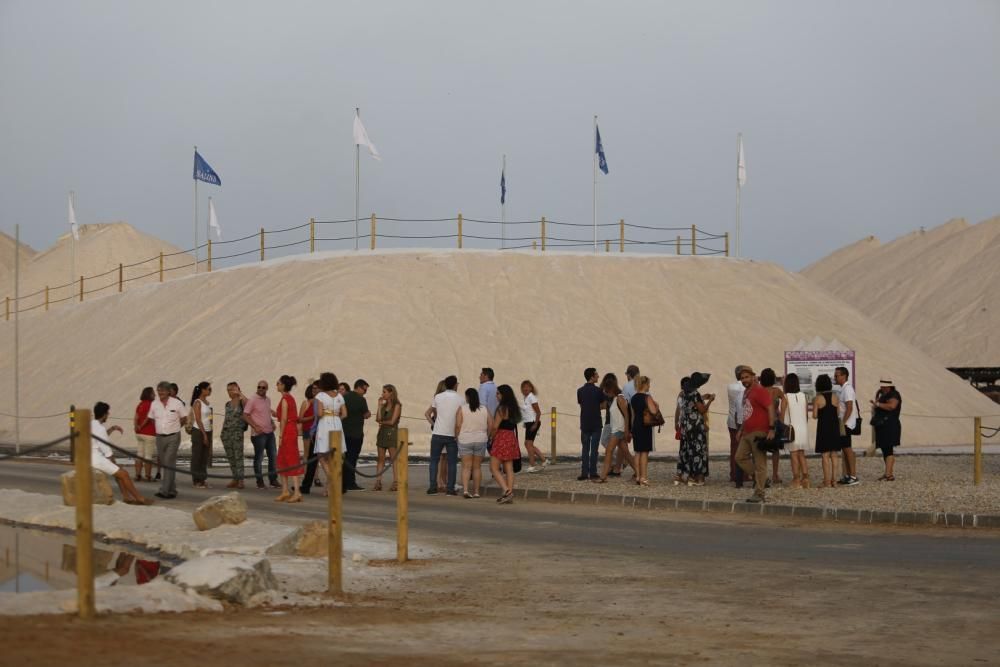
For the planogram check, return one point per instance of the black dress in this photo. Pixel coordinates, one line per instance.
(827, 427)
(888, 434)
(642, 435)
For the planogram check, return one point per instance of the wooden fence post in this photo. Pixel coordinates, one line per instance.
(400, 475)
(543, 233)
(46, 297)
(621, 235)
(552, 436)
(335, 532)
(534, 244)
(977, 452)
(209, 266)
(161, 266)
(678, 250)
(459, 230)
(6, 315)
(84, 516)
(727, 244)
(312, 234)
(694, 240)
(373, 231)
(81, 289)
(120, 271)
(262, 244)
(607, 245)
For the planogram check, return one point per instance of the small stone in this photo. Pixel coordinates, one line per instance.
(101, 492)
(313, 540)
(230, 508)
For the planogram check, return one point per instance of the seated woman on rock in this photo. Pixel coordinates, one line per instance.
(102, 457)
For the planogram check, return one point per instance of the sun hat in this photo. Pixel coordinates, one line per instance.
(698, 380)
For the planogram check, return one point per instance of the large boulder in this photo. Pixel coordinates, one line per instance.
(224, 576)
(100, 488)
(230, 508)
(313, 540)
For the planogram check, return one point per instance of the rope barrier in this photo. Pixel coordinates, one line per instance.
(984, 429)
(32, 449)
(413, 219)
(339, 222)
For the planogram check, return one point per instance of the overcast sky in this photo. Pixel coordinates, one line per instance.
(858, 117)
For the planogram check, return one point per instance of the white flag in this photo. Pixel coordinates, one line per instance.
(741, 165)
(72, 219)
(361, 137)
(213, 221)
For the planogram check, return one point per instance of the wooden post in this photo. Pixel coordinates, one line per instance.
(459, 230)
(81, 288)
(262, 244)
(543, 233)
(312, 234)
(84, 516)
(161, 266)
(727, 244)
(977, 452)
(678, 251)
(534, 244)
(46, 297)
(335, 533)
(694, 240)
(373, 231)
(120, 282)
(401, 478)
(72, 427)
(6, 315)
(607, 245)
(552, 436)
(621, 235)
(209, 263)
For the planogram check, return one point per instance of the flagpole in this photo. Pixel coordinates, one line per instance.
(208, 223)
(357, 181)
(503, 205)
(739, 142)
(594, 141)
(196, 219)
(72, 243)
(17, 339)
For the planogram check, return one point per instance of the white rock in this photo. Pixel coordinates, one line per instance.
(230, 508)
(224, 576)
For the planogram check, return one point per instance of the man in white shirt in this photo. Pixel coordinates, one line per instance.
(847, 410)
(443, 414)
(102, 457)
(734, 392)
(628, 391)
(169, 414)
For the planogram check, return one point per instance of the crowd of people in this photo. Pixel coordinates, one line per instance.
(483, 423)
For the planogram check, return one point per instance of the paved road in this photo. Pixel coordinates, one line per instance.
(629, 533)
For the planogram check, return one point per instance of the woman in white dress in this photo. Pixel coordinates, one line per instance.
(798, 419)
(330, 409)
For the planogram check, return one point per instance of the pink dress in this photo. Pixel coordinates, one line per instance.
(288, 449)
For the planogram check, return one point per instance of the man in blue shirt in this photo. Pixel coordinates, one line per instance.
(488, 391)
(592, 400)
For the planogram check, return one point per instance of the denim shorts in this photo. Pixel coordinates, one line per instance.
(472, 449)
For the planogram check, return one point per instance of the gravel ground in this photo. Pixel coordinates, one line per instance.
(923, 484)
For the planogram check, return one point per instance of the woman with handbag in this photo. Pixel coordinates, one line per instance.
(797, 431)
(645, 415)
(505, 448)
(885, 422)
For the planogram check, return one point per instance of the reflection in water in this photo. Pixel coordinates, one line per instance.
(35, 560)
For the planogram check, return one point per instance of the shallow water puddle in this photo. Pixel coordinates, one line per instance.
(38, 560)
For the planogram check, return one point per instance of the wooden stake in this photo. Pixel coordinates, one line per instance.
(312, 234)
(552, 436)
(373, 231)
(46, 297)
(401, 477)
(543, 233)
(621, 235)
(262, 244)
(534, 244)
(6, 315)
(694, 240)
(977, 452)
(81, 289)
(607, 245)
(84, 516)
(678, 250)
(459, 230)
(161, 266)
(121, 282)
(335, 534)
(209, 263)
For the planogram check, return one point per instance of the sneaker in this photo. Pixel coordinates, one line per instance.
(755, 499)
(260, 485)
(467, 495)
(843, 480)
(433, 491)
(767, 484)
(852, 481)
(161, 495)
(533, 469)
(452, 492)
(545, 463)
(506, 500)
(157, 478)
(583, 478)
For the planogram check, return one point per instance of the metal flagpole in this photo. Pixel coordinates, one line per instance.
(72, 243)
(196, 220)
(17, 339)
(208, 226)
(739, 142)
(357, 181)
(594, 147)
(503, 205)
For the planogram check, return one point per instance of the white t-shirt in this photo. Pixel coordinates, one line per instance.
(847, 394)
(734, 392)
(446, 405)
(167, 417)
(527, 411)
(97, 448)
(474, 426)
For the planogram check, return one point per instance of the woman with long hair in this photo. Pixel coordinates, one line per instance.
(503, 429)
(798, 420)
(201, 434)
(621, 428)
(472, 425)
(233, 428)
(642, 432)
(387, 416)
(289, 459)
(531, 413)
(769, 380)
(330, 410)
(145, 434)
(827, 428)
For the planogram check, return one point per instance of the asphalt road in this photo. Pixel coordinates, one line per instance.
(626, 533)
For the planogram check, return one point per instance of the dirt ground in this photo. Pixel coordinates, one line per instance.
(498, 603)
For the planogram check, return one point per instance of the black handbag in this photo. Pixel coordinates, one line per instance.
(879, 419)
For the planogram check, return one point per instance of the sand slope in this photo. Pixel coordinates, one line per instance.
(936, 289)
(411, 317)
(99, 251)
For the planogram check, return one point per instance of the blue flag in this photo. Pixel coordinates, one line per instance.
(602, 162)
(503, 187)
(202, 172)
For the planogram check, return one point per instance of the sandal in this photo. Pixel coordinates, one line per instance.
(377, 486)
(297, 498)
(600, 480)
(394, 487)
(890, 478)
(644, 482)
(282, 498)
